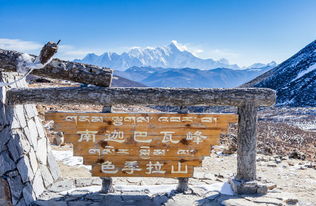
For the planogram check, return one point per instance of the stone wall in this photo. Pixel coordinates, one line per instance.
(27, 166)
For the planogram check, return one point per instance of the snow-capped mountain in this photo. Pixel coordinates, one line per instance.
(193, 78)
(294, 79)
(171, 56)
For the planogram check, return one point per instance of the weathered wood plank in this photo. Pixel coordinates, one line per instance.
(145, 168)
(142, 96)
(59, 69)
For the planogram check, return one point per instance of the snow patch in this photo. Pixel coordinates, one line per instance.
(223, 188)
(302, 73)
(67, 158)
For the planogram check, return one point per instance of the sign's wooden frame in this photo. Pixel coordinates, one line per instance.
(246, 99)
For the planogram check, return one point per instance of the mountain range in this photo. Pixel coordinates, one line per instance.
(171, 66)
(294, 79)
(191, 78)
(171, 56)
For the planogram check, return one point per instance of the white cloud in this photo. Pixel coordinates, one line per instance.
(66, 52)
(69, 52)
(19, 45)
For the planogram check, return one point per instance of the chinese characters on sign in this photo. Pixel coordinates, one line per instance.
(136, 144)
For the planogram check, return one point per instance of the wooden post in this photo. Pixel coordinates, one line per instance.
(107, 182)
(107, 186)
(247, 142)
(183, 182)
(245, 180)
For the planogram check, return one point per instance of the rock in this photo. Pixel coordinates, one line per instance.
(15, 123)
(272, 165)
(96, 181)
(46, 175)
(16, 186)
(33, 160)
(278, 160)
(271, 186)
(41, 152)
(40, 128)
(49, 203)
(83, 182)
(211, 195)
(80, 203)
(237, 202)
(25, 169)
(197, 191)
(5, 195)
(6, 163)
(33, 130)
(262, 159)
(21, 202)
(32, 139)
(14, 147)
(290, 163)
(265, 200)
(28, 194)
(25, 145)
(297, 155)
(262, 189)
(182, 200)
(58, 138)
(30, 110)
(251, 187)
(160, 199)
(5, 137)
(53, 166)
(62, 185)
(38, 184)
(19, 115)
(291, 201)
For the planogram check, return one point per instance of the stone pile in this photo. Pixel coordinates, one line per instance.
(27, 164)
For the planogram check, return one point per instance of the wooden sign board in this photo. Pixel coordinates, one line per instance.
(119, 140)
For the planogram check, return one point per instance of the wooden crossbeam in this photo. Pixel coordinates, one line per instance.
(142, 96)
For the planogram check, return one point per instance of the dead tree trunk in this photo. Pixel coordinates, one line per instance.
(58, 69)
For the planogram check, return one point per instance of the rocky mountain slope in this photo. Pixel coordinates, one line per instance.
(171, 56)
(294, 79)
(188, 77)
(118, 81)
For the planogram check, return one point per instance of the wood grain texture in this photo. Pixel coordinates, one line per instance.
(142, 96)
(59, 69)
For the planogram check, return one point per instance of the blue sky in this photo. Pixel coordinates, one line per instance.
(243, 31)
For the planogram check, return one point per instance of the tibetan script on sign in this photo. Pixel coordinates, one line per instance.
(141, 144)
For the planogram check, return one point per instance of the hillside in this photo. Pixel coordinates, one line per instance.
(294, 79)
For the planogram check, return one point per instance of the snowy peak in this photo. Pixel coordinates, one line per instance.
(174, 45)
(174, 55)
(260, 65)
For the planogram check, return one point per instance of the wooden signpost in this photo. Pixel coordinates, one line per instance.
(141, 144)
